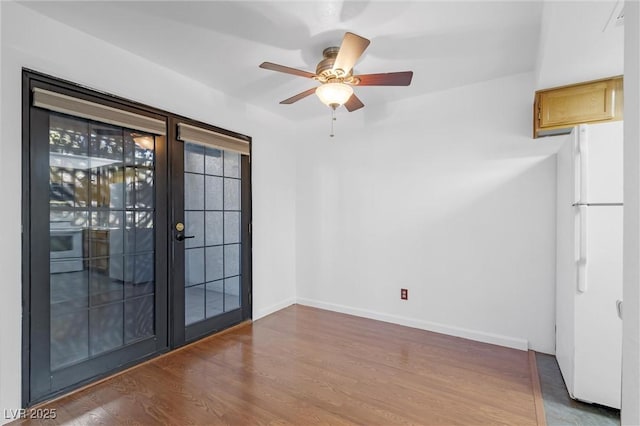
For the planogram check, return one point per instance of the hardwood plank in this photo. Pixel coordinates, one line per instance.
(402, 383)
(303, 365)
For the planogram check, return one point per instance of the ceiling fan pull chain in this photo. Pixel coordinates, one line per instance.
(333, 118)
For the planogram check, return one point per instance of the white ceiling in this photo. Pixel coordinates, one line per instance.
(221, 44)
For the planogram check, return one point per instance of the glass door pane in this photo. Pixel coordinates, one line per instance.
(212, 219)
(101, 238)
(102, 249)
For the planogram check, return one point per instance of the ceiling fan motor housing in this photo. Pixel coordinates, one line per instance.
(325, 72)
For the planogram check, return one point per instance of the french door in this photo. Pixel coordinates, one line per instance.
(211, 250)
(136, 234)
(95, 256)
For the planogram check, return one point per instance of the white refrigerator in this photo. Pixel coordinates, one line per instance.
(589, 263)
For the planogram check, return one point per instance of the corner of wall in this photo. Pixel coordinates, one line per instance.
(263, 312)
(542, 42)
(630, 414)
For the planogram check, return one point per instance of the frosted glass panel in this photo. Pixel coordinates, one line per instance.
(214, 228)
(231, 164)
(231, 293)
(215, 298)
(213, 162)
(194, 266)
(194, 226)
(214, 263)
(231, 194)
(231, 260)
(214, 193)
(193, 192)
(193, 158)
(217, 225)
(194, 304)
(231, 227)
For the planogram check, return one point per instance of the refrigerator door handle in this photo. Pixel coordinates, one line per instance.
(582, 259)
(583, 161)
(577, 167)
(619, 308)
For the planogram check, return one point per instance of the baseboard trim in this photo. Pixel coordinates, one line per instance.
(479, 336)
(537, 390)
(261, 313)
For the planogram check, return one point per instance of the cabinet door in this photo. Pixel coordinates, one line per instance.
(557, 110)
(578, 104)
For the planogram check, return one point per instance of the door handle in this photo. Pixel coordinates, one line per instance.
(583, 143)
(182, 237)
(619, 308)
(582, 260)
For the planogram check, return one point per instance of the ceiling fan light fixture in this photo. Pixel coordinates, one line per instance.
(335, 75)
(334, 94)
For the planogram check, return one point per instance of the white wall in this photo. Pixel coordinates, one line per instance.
(573, 46)
(274, 250)
(34, 41)
(5, 328)
(447, 195)
(630, 414)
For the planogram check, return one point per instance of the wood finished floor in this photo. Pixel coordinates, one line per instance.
(306, 366)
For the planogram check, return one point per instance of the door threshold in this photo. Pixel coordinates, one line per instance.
(133, 367)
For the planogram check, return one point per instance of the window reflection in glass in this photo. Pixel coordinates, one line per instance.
(102, 242)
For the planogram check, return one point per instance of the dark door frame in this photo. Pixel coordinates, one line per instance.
(167, 336)
(38, 383)
(180, 336)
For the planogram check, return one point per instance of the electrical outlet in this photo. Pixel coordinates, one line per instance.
(404, 294)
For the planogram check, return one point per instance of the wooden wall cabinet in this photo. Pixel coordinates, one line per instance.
(557, 110)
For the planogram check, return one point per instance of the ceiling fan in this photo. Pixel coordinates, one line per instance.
(335, 73)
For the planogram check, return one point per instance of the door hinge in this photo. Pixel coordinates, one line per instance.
(249, 298)
(249, 227)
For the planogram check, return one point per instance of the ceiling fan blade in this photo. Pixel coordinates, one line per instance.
(386, 79)
(353, 103)
(299, 96)
(287, 70)
(352, 47)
